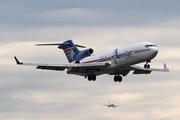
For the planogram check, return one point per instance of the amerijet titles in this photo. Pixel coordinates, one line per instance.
(126, 55)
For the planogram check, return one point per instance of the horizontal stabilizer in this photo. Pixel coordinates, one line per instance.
(61, 44)
(79, 46)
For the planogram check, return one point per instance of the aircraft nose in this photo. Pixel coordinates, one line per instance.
(154, 51)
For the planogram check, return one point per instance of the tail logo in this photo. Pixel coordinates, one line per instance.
(69, 53)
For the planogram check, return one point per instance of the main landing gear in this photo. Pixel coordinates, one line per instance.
(117, 78)
(92, 77)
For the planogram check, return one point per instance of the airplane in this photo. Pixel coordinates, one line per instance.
(111, 105)
(118, 62)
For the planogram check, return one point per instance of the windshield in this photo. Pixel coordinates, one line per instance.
(150, 46)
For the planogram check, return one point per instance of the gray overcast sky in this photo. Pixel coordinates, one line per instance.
(84, 13)
(30, 94)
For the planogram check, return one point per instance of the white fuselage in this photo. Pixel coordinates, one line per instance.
(124, 56)
(111, 105)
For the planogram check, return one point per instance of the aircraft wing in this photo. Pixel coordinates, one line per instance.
(61, 67)
(105, 105)
(141, 70)
(117, 105)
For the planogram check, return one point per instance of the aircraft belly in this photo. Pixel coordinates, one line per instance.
(88, 71)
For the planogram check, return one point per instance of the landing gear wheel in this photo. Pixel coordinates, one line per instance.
(120, 79)
(91, 77)
(146, 66)
(115, 78)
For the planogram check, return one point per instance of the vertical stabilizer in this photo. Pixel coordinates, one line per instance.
(70, 50)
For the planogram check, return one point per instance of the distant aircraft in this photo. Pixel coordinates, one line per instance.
(118, 62)
(111, 105)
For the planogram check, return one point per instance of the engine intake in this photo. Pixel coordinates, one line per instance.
(90, 51)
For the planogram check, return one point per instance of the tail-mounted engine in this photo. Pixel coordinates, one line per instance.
(84, 53)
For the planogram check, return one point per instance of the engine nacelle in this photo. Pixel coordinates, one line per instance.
(88, 51)
(84, 53)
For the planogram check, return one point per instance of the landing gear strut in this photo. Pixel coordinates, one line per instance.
(117, 78)
(147, 65)
(91, 77)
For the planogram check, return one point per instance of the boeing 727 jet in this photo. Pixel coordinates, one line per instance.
(111, 105)
(118, 62)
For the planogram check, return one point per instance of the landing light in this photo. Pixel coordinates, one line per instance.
(110, 63)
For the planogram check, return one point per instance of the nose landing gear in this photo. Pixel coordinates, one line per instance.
(147, 65)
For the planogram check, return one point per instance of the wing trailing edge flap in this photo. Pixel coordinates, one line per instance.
(141, 70)
(62, 67)
(51, 68)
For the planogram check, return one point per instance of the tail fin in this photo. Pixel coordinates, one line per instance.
(70, 50)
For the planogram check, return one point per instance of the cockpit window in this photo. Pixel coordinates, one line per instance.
(150, 46)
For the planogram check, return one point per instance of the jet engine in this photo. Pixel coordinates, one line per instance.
(88, 51)
(84, 53)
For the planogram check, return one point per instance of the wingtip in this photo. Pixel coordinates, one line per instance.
(17, 61)
(165, 67)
